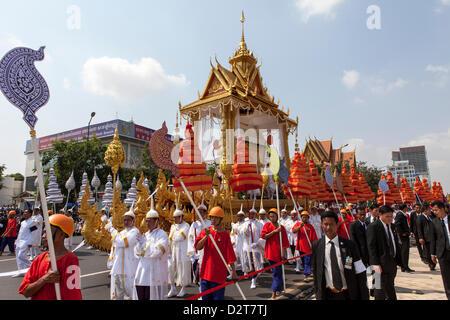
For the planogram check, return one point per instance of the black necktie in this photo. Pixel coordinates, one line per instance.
(335, 271)
(391, 246)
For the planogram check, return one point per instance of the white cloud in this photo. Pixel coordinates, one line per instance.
(432, 68)
(358, 100)
(438, 152)
(381, 87)
(379, 156)
(445, 2)
(441, 74)
(309, 8)
(350, 78)
(125, 81)
(66, 83)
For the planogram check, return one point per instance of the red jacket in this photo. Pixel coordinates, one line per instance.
(302, 241)
(344, 232)
(11, 228)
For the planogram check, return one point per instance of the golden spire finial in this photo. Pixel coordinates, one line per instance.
(242, 21)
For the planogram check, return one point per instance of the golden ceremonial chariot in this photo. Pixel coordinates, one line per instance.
(235, 99)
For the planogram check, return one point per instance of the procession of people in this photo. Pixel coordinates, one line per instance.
(152, 266)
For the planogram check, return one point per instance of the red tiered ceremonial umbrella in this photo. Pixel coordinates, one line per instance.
(316, 188)
(358, 194)
(244, 175)
(347, 186)
(299, 178)
(191, 168)
(408, 194)
(419, 190)
(366, 192)
(426, 187)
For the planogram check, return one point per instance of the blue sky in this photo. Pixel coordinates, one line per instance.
(377, 90)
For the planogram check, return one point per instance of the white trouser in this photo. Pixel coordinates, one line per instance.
(22, 259)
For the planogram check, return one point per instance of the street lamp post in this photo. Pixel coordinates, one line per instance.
(87, 140)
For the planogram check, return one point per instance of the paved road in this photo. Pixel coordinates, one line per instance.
(421, 285)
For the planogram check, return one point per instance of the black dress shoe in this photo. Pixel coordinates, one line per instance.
(403, 270)
(409, 270)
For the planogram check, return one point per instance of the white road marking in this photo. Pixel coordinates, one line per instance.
(95, 273)
(8, 259)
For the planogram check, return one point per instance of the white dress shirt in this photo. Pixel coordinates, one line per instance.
(392, 235)
(328, 274)
(446, 228)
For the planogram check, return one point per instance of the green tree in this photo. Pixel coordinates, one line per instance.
(66, 157)
(17, 176)
(2, 169)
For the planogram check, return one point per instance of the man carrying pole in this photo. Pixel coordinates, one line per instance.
(306, 235)
(212, 273)
(275, 249)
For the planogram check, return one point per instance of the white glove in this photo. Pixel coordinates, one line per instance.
(169, 257)
(141, 239)
(254, 245)
(108, 226)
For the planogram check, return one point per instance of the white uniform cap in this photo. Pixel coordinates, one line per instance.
(202, 206)
(262, 211)
(178, 213)
(241, 212)
(152, 213)
(130, 214)
(293, 211)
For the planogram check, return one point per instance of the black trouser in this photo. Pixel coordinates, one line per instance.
(330, 295)
(143, 292)
(444, 265)
(404, 252)
(387, 291)
(419, 246)
(427, 254)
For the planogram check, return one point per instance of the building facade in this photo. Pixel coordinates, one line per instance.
(403, 169)
(417, 156)
(132, 136)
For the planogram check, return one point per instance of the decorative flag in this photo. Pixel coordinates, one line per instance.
(284, 172)
(383, 186)
(21, 82)
(329, 177)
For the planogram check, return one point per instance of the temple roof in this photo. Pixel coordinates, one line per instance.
(321, 151)
(242, 81)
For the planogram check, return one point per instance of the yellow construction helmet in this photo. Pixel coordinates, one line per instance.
(63, 222)
(217, 212)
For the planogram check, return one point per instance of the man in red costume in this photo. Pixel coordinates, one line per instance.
(343, 230)
(10, 234)
(39, 281)
(272, 250)
(213, 272)
(306, 236)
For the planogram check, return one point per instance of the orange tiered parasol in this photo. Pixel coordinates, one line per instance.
(299, 178)
(393, 188)
(428, 195)
(192, 169)
(244, 176)
(316, 183)
(366, 192)
(408, 194)
(388, 196)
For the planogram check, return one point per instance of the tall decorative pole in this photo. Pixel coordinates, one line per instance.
(115, 156)
(95, 183)
(70, 185)
(25, 88)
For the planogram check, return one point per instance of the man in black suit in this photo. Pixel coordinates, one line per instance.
(413, 217)
(339, 273)
(373, 213)
(402, 226)
(424, 229)
(358, 234)
(384, 252)
(440, 243)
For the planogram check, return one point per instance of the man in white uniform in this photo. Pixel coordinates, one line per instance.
(284, 221)
(237, 237)
(179, 261)
(152, 271)
(24, 241)
(194, 231)
(253, 246)
(316, 222)
(123, 260)
(292, 237)
(37, 235)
